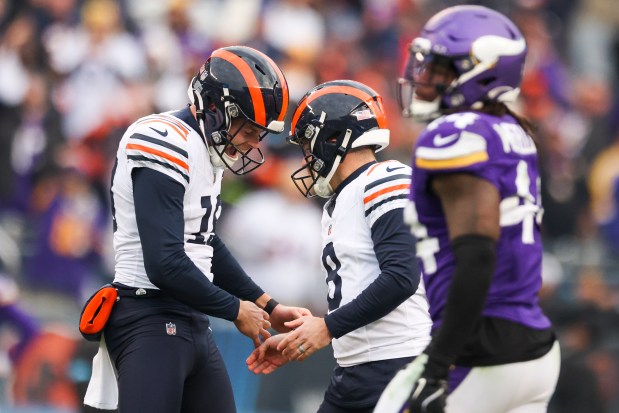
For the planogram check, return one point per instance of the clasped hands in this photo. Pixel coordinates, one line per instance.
(308, 335)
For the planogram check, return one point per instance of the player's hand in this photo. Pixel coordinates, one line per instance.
(310, 335)
(428, 396)
(266, 358)
(282, 313)
(253, 322)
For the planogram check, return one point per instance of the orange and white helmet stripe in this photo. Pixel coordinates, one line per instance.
(253, 86)
(374, 102)
(282, 82)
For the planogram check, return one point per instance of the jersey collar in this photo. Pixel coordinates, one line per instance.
(186, 116)
(330, 205)
(353, 176)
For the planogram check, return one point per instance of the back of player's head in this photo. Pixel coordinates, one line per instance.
(483, 50)
(238, 82)
(332, 119)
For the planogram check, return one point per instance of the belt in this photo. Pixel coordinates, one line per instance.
(126, 291)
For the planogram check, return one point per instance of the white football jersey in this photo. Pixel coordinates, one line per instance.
(351, 266)
(168, 145)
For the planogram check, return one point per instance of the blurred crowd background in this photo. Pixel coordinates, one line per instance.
(75, 73)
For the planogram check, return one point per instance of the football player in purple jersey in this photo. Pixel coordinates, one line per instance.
(476, 212)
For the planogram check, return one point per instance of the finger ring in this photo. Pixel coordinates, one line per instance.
(301, 348)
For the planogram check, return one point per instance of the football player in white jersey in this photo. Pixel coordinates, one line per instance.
(378, 314)
(172, 270)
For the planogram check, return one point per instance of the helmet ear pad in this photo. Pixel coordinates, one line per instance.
(328, 145)
(214, 118)
(212, 97)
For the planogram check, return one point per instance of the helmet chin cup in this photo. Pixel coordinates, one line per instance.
(424, 111)
(229, 160)
(322, 188)
(216, 147)
(219, 158)
(216, 160)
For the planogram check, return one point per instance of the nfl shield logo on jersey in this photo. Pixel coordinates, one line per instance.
(170, 328)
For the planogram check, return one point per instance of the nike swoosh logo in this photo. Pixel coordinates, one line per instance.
(164, 133)
(441, 141)
(394, 169)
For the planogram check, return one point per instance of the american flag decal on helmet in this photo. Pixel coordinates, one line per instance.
(363, 114)
(170, 328)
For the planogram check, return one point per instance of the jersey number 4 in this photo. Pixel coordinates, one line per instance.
(522, 208)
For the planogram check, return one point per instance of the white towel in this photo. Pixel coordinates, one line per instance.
(102, 392)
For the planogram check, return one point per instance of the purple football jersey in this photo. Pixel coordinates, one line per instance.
(499, 150)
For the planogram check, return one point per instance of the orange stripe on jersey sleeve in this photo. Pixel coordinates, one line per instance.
(453, 163)
(167, 122)
(158, 153)
(385, 191)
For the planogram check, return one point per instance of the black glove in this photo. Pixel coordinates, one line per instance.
(428, 396)
(428, 379)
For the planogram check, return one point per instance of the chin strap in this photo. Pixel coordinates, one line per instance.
(223, 159)
(323, 187)
(196, 99)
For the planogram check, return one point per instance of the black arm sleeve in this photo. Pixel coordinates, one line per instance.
(475, 263)
(399, 278)
(160, 218)
(229, 275)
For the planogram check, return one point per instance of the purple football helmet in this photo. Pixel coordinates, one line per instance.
(484, 49)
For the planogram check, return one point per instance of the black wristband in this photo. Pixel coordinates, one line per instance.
(271, 304)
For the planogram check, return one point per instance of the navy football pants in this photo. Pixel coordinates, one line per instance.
(166, 359)
(356, 389)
